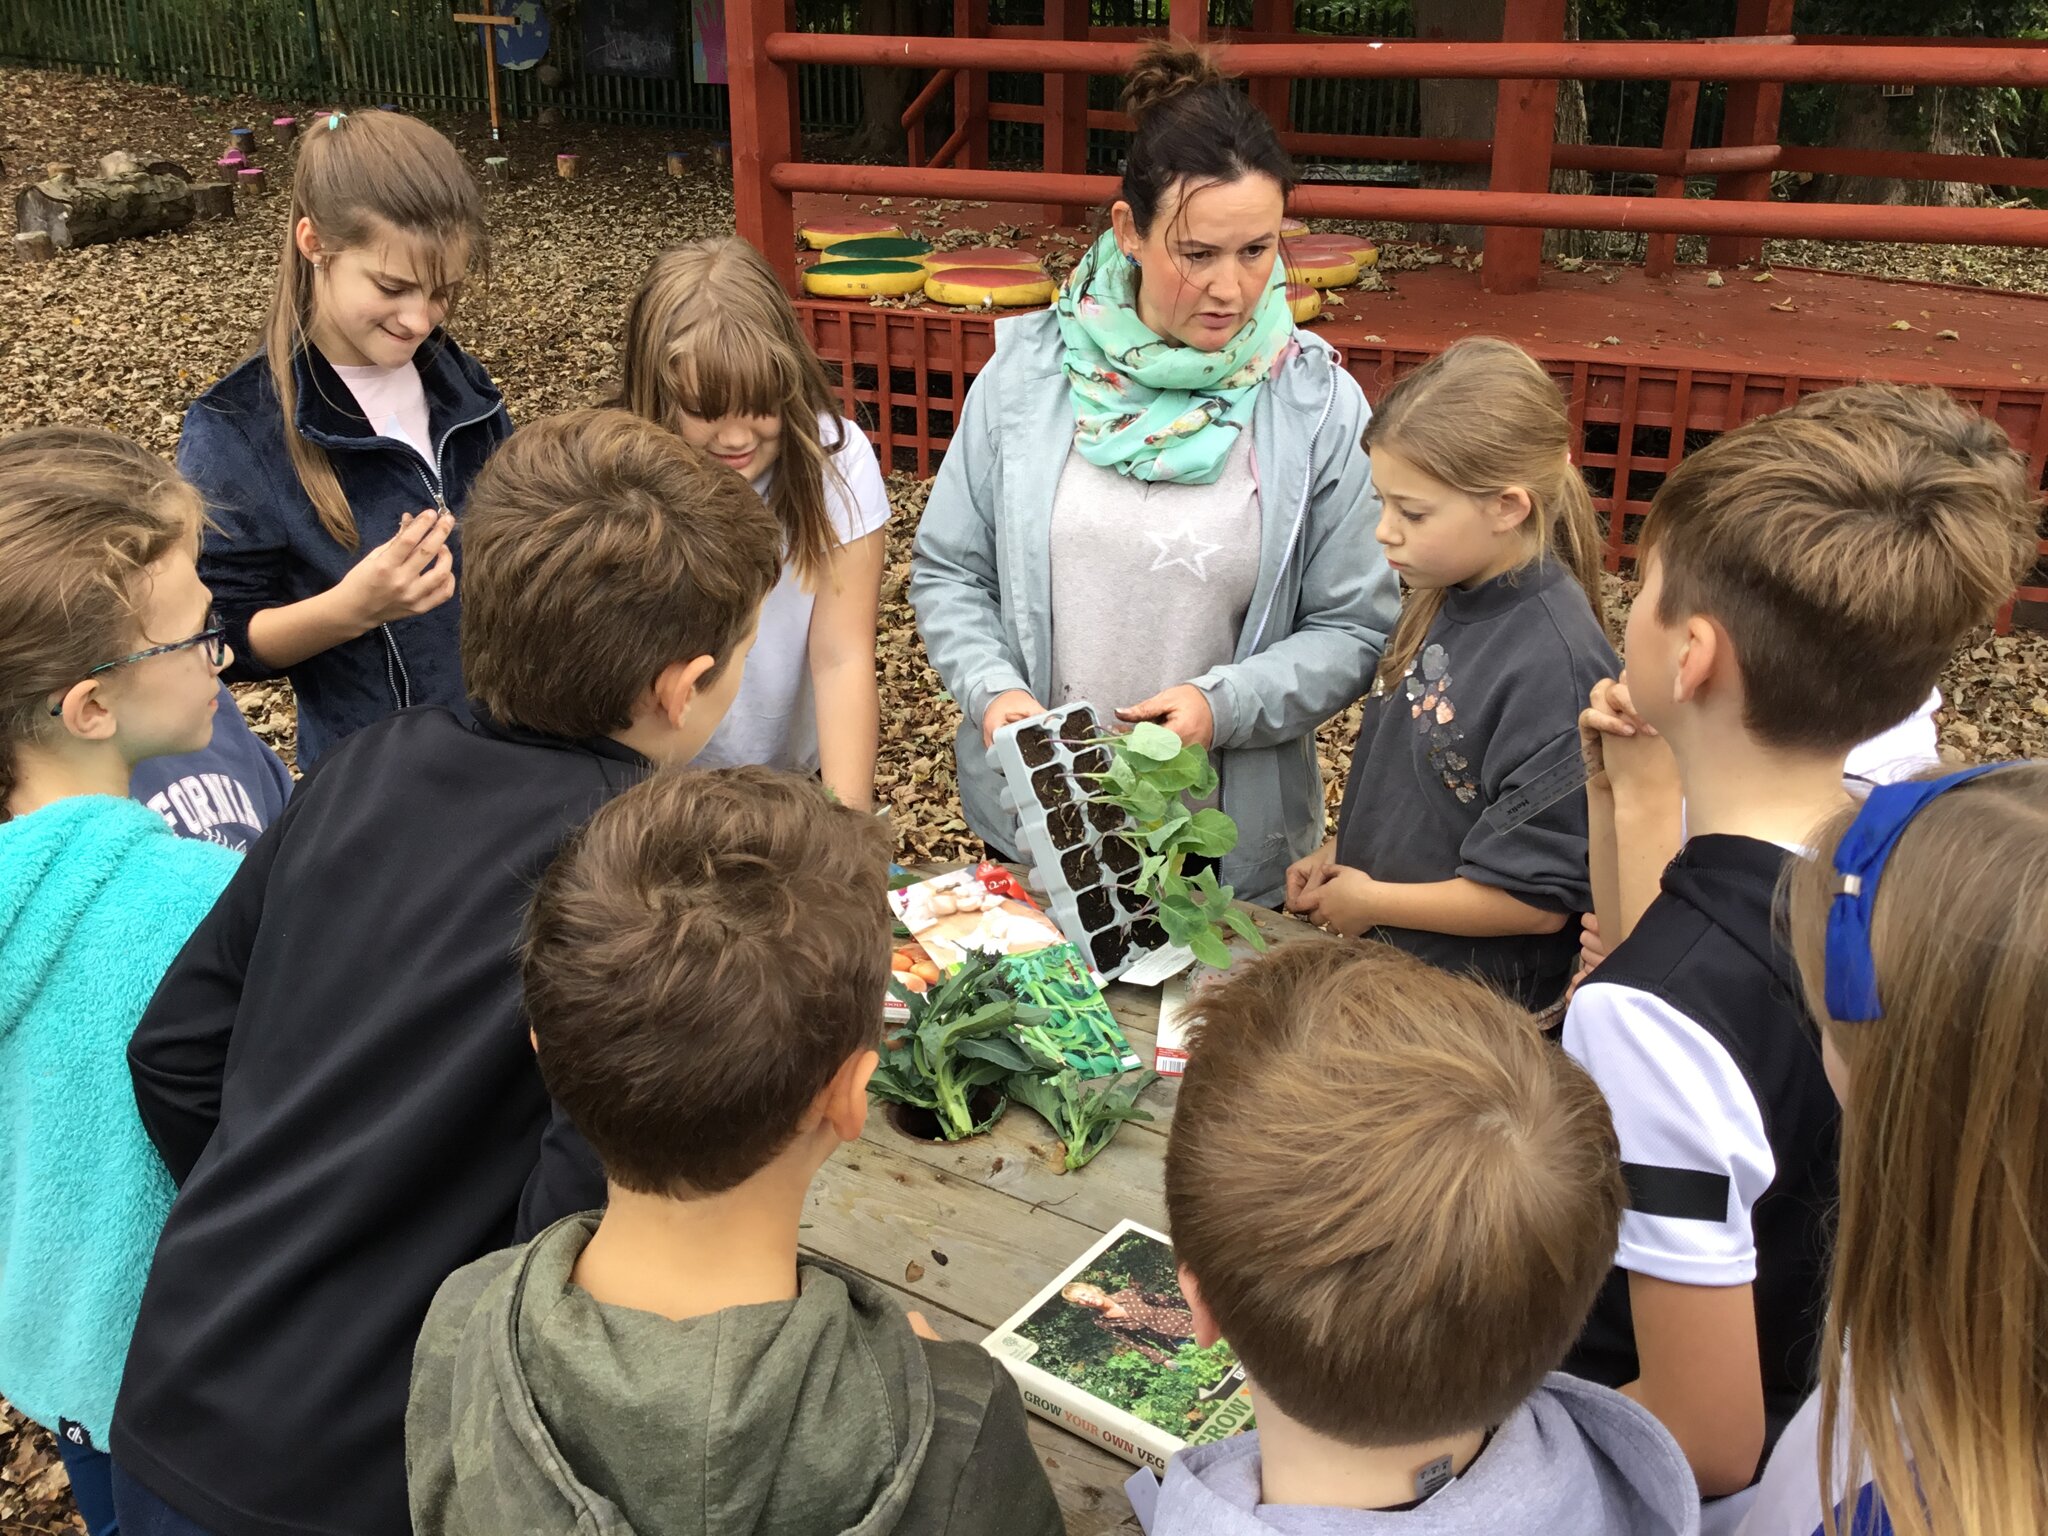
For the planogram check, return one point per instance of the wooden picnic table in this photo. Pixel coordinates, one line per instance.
(967, 1232)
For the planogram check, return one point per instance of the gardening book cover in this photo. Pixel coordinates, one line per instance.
(949, 917)
(1108, 1350)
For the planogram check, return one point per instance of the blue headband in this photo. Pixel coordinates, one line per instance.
(1859, 864)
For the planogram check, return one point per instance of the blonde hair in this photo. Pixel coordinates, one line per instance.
(1483, 416)
(1940, 1281)
(1466, 1204)
(83, 515)
(710, 333)
(1846, 545)
(355, 170)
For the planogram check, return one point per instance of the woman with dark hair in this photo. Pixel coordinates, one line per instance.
(1155, 499)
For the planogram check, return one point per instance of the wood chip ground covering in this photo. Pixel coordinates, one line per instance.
(126, 335)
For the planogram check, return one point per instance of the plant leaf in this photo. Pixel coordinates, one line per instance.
(1004, 1053)
(1151, 740)
(1208, 948)
(1244, 927)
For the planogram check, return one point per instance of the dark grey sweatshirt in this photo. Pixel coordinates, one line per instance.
(1489, 706)
(539, 1411)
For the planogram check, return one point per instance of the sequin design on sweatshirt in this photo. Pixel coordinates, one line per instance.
(1426, 685)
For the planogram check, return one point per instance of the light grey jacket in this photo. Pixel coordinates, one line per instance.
(981, 583)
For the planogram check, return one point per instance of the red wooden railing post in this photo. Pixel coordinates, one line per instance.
(1661, 254)
(1066, 107)
(762, 98)
(1188, 19)
(1524, 134)
(1752, 118)
(970, 90)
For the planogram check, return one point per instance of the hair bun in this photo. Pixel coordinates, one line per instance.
(1167, 69)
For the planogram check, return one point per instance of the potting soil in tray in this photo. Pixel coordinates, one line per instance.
(1080, 857)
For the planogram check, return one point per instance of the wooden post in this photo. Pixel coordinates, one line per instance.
(1661, 254)
(486, 21)
(970, 90)
(1188, 19)
(762, 97)
(1752, 118)
(1270, 92)
(1524, 136)
(1066, 107)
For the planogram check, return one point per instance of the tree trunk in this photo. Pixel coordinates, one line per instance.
(1865, 118)
(75, 211)
(1457, 109)
(1571, 129)
(885, 92)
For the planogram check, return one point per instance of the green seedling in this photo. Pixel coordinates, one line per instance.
(1085, 1119)
(966, 1034)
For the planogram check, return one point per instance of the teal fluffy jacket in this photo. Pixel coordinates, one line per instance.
(97, 895)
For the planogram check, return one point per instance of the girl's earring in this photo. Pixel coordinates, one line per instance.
(1131, 258)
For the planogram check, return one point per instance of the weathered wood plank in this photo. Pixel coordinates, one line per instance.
(1022, 1157)
(945, 1238)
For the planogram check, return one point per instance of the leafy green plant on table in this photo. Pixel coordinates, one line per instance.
(1084, 1117)
(1151, 777)
(965, 1034)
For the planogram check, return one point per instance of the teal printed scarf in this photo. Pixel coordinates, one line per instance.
(1150, 408)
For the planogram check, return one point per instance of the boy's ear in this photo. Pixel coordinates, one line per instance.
(675, 688)
(1703, 650)
(1206, 1331)
(843, 1104)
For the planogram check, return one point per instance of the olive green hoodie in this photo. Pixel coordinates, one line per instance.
(537, 1410)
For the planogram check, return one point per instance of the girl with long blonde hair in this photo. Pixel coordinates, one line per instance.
(714, 351)
(1447, 844)
(1921, 931)
(336, 460)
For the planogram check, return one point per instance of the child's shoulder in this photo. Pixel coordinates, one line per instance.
(244, 389)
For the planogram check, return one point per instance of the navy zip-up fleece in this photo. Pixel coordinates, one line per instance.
(267, 547)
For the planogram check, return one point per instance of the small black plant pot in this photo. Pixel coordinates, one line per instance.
(1065, 826)
(1079, 728)
(1120, 857)
(1092, 760)
(1095, 908)
(1106, 817)
(1147, 934)
(920, 1124)
(1080, 867)
(1034, 745)
(1131, 901)
(1050, 786)
(1109, 949)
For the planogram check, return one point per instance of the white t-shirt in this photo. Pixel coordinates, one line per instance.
(395, 402)
(1908, 748)
(1787, 1498)
(773, 719)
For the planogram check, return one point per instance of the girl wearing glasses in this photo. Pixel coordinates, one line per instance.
(109, 655)
(336, 461)
(1921, 931)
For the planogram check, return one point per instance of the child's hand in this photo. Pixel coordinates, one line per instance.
(1007, 709)
(1182, 710)
(1609, 713)
(1640, 766)
(1308, 873)
(412, 572)
(1591, 950)
(921, 1328)
(1341, 901)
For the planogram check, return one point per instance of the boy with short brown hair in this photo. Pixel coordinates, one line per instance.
(1396, 1200)
(335, 1069)
(1805, 578)
(702, 965)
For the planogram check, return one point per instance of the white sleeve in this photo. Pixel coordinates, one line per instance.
(1693, 1149)
(857, 499)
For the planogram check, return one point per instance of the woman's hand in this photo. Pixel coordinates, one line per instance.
(1007, 709)
(1182, 710)
(412, 572)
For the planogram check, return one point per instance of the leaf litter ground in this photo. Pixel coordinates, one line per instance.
(126, 335)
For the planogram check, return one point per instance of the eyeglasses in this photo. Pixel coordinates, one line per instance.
(214, 637)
